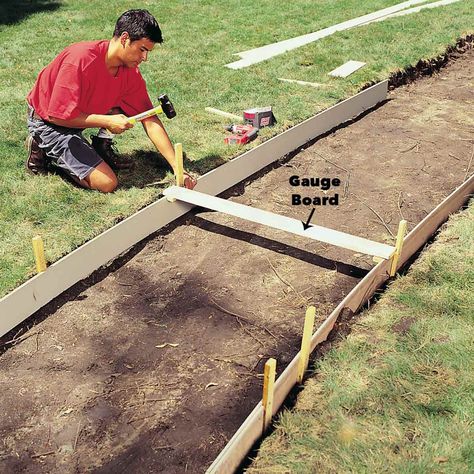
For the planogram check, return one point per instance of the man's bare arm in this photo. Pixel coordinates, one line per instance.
(157, 134)
(117, 123)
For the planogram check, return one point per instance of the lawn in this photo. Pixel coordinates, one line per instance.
(397, 395)
(200, 38)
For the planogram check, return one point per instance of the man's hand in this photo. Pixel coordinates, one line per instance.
(157, 134)
(189, 181)
(118, 123)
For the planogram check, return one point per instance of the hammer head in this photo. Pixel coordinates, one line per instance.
(167, 106)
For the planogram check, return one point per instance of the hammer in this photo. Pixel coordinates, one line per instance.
(165, 107)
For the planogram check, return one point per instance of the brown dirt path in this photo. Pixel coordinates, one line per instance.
(94, 389)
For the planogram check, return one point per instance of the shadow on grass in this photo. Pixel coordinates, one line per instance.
(151, 169)
(13, 11)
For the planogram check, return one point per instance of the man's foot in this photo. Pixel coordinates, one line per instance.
(106, 150)
(36, 160)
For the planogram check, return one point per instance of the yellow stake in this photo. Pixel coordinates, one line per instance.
(305, 342)
(402, 228)
(268, 388)
(38, 251)
(178, 153)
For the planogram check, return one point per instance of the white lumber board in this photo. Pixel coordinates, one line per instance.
(347, 68)
(417, 9)
(276, 221)
(256, 55)
(237, 448)
(212, 110)
(301, 83)
(28, 298)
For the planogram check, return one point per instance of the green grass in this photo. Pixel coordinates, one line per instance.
(200, 38)
(397, 395)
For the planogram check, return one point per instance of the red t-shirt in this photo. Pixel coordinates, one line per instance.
(77, 80)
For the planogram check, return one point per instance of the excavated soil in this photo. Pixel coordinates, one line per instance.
(152, 367)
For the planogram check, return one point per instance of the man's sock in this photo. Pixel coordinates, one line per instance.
(104, 133)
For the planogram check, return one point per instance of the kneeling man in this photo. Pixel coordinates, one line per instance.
(95, 84)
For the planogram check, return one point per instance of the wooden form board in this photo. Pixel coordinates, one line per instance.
(276, 221)
(238, 446)
(256, 55)
(39, 290)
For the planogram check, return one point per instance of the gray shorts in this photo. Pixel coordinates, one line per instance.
(65, 148)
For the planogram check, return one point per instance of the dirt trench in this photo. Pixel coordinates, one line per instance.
(154, 367)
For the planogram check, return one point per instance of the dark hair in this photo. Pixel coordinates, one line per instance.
(138, 24)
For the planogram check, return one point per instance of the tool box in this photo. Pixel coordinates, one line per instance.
(259, 117)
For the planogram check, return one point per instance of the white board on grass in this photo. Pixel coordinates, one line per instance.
(347, 69)
(417, 9)
(212, 110)
(276, 221)
(301, 83)
(257, 55)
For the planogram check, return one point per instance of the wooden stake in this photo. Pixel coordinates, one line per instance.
(268, 389)
(179, 177)
(305, 342)
(402, 229)
(38, 251)
(178, 153)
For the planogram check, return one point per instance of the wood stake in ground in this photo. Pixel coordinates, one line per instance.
(268, 390)
(38, 251)
(305, 342)
(402, 229)
(179, 172)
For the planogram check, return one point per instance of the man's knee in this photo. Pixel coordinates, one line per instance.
(103, 178)
(106, 186)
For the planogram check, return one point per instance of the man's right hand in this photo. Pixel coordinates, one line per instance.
(118, 123)
(189, 180)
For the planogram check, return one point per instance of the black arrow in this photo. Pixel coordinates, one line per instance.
(306, 224)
